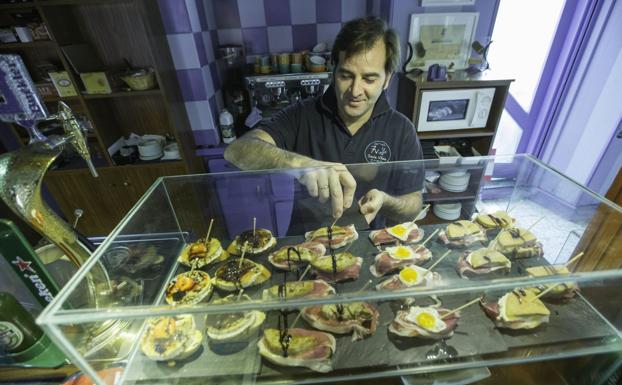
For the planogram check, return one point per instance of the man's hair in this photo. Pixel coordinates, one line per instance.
(359, 35)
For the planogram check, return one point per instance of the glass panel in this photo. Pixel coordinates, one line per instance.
(508, 135)
(442, 110)
(173, 307)
(521, 56)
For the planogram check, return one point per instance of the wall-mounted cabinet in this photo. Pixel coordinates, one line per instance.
(462, 112)
(118, 33)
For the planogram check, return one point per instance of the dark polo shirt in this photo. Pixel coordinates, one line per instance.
(312, 127)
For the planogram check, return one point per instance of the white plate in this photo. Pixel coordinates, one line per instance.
(152, 157)
(447, 216)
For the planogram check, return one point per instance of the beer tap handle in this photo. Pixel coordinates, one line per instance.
(75, 134)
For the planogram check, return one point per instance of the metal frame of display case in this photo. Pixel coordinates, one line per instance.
(164, 209)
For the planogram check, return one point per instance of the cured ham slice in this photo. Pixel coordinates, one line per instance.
(407, 232)
(341, 236)
(299, 289)
(392, 258)
(358, 318)
(406, 323)
(294, 257)
(308, 348)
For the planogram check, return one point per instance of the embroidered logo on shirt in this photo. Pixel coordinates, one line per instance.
(377, 151)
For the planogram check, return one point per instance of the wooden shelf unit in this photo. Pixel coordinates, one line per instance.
(116, 30)
(409, 101)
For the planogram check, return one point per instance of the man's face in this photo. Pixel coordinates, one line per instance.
(359, 81)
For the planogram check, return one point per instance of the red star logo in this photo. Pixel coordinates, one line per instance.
(23, 265)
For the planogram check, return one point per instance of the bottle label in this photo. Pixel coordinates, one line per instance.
(10, 336)
(227, 131)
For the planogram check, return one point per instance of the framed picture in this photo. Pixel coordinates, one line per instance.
(441, 38)
(445, 3)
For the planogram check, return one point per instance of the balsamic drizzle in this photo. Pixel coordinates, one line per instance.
(289, 260)
(230, 272)
(496, 220)
(338, 307)
(284, 337)
(514, 232)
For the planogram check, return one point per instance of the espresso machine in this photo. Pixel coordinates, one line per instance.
(270, 93)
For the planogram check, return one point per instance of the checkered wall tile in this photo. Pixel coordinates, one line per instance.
(195, 28)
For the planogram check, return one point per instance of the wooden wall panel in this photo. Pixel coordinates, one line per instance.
(602, 240)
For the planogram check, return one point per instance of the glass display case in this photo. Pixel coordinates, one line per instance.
(512, 280)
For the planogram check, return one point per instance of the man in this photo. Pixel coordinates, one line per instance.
(351, 123)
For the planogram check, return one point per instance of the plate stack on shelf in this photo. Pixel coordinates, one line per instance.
(448, 211)
(454, 181)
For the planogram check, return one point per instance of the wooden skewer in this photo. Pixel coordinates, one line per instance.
(240, 294)
(573, 259)
(209, 230)
(460, 308)
(545, 291)
(243, 252)
(561, 283)
(423, 211)
(494, 241)
(429, 237)
(254, 225)
(364, 287)
(535, 223)
(296, 320)
(437, 262)
(333, 224)
(304, 273)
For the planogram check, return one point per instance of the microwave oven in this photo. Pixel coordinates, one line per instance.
(456, 109)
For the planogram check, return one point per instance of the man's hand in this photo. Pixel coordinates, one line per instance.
(371, 203)
(333, 181)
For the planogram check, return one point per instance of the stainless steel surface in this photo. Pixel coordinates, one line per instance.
(271, 93)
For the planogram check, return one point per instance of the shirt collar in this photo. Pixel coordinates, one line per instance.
(328, 102)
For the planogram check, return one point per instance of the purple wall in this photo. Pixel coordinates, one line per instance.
(195, 29)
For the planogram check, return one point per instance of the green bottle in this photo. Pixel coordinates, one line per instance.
(18, 330)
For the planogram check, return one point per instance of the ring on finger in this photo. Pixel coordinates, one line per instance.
(323, 187)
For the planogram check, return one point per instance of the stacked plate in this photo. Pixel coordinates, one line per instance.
(455, 181)
(447, 211)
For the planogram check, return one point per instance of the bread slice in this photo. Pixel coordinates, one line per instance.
(498, 219)
(487, 257)
(523, 303)
(461, 229)
(515, 237)
(543, 271)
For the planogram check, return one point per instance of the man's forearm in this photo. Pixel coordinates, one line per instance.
(256, 154)
(402, 208)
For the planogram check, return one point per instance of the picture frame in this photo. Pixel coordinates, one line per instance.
(445, 3)
(441, 38)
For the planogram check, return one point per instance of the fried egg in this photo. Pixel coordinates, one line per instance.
(402, 230)
(427, 318)
(400, 252)
(412, 275)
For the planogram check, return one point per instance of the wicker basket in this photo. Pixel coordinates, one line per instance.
(141, 82)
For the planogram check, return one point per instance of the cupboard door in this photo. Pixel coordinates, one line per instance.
(97, 197)
(107, 198)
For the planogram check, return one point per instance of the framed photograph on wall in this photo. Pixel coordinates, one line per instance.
(441, 38)
(445, 3)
